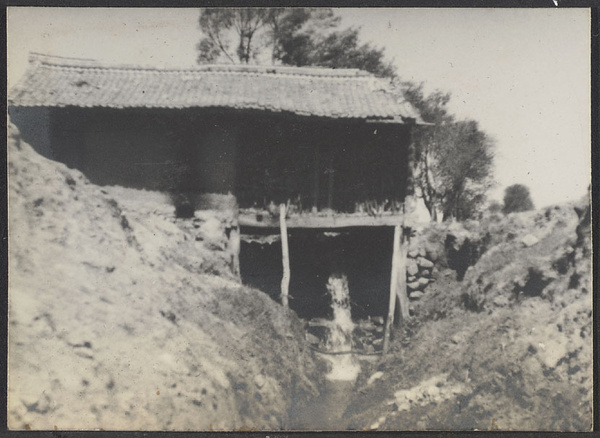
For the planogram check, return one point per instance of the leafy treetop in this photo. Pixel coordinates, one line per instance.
(517, 198)
(294, 36)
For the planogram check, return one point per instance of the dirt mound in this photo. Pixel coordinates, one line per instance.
(124, 317)
(509, 347)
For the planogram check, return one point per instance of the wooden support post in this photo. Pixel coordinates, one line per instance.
(285, 257)
(234, 248)
(407, 212)
(316, 175)
(402, 262)
(393, 288)
(331, 173)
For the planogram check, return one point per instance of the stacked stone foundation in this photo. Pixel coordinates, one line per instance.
(420, 272)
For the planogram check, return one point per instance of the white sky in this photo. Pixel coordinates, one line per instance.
(524, 74)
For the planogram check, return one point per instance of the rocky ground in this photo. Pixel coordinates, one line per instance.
(509, 346)
(123, 317)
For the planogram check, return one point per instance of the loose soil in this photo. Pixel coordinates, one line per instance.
(507, 348)
(122, 316)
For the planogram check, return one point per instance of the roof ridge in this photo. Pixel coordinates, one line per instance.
(88, 63)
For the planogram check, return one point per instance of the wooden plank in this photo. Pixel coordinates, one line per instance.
(402, 262)
(407, 214)
(266, 220)
(234, 249)
(393, 288)
(285, 257)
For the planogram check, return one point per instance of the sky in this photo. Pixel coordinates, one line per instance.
(523, 74)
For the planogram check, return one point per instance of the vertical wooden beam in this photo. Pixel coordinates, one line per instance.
(316, 174)
(408, 207)
(398, 288)
(402, 262)
(285, 257)
(393, 288)
(331, 174)
(234, 248)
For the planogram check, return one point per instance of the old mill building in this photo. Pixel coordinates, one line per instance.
(314, 154)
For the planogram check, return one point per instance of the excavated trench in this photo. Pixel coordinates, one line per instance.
(364, 256)
(360, 256)
(326, 412)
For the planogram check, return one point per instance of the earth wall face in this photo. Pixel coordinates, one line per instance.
(123, 316)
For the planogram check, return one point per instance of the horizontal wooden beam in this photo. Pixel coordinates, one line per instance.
(258, 220)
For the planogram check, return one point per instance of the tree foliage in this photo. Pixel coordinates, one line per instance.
(517, 198)
(495, 207)
(453, 159)
(293, 33)
(294, 36)
(217, 26)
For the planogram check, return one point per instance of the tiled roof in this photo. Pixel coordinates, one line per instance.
(333, 93)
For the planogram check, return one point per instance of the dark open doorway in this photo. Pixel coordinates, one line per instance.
(362, 254)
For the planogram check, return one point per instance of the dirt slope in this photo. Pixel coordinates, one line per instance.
(118, 321)
(508, 347)
(123, 317)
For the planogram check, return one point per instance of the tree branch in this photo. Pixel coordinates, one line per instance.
(216, 38)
